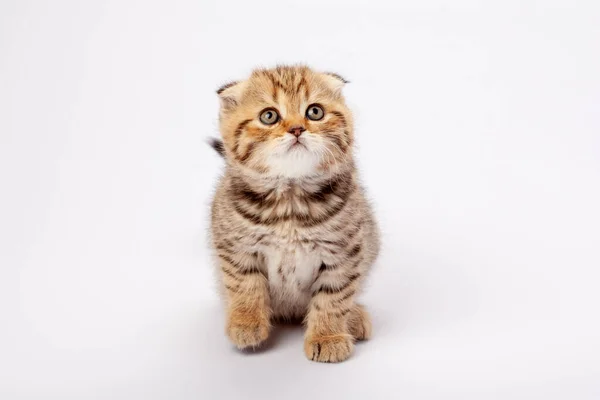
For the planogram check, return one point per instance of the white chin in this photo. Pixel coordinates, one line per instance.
(294, 164)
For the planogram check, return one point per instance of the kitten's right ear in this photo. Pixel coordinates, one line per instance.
(230, 95)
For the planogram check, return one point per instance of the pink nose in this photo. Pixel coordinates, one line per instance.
(296, 130)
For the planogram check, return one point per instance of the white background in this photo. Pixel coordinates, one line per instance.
(479, 140)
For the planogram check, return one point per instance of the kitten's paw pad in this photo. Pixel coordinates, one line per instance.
(247, 331)
(359, 323)
(331, 348)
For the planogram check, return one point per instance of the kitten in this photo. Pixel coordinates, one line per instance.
(292, 231)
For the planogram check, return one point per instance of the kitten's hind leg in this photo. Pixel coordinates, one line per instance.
(359, 323)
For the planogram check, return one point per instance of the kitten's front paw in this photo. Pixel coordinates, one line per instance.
(247, 330)
(330, 348)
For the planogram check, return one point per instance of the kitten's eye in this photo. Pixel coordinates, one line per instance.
(315, 112)
(269, 116)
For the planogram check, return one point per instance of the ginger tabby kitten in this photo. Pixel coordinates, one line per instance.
(292, 231)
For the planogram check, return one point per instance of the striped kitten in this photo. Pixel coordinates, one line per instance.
(292, 230)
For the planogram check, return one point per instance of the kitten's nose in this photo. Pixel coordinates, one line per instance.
(296, 130)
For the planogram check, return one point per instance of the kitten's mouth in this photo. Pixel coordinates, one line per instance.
(297, 145)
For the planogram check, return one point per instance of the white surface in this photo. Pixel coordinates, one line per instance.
(479, 134)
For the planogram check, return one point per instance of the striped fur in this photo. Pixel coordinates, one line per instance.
(292, 232)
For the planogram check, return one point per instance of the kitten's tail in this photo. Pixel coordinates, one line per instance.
(217, 144)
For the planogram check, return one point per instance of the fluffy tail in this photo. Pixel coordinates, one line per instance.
(217, 144)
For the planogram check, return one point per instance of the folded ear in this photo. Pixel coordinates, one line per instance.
(230, 95)
(334, 81)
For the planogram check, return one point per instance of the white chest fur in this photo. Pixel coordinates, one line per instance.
(292, 270)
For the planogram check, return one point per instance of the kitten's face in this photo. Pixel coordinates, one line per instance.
(288, 121)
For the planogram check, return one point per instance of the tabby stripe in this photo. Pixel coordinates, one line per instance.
(242, 191)
(261, 135)
(240, 128)
(225, 245)
(266, 200)
(357, 262)
(248, 152)
(232, 289)
(340, 313)
(322, 268)
(325, 267)
(346, 296)
(340, 116)
(332, 290)
(255, 219)
(229, 260)
(340, 228)
(310, 222)
(332, 243)
(253, 197)
(238, 133)
(231, 275)
(338, 141)
(302, 219)
(334, 187)
(242, 270)
(301, 84)
(276, 82)
(306, 221)
(259, 239)
(354, 252)
(349, 137)
(352, 234)
(221, 247)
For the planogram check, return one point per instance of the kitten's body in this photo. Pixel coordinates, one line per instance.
(291, 228)
(292, 254)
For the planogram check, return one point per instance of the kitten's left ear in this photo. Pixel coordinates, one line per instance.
(230, 95)
(334, 81)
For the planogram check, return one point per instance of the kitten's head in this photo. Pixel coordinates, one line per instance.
(286, 121)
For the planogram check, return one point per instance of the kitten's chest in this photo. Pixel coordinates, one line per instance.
(292, 267)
